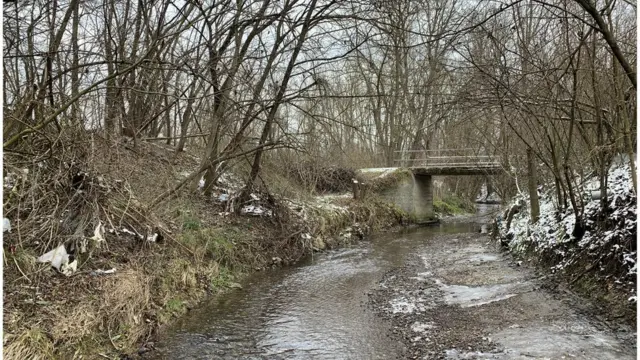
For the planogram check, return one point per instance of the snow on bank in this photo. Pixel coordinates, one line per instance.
(610, 236)
(384, 171)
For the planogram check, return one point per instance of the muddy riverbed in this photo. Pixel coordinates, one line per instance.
(433, 292)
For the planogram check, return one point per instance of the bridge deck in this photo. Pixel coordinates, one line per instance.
(448, 162)
(456, 170)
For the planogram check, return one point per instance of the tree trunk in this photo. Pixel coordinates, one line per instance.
(533, 187)
(186, 118)
(255, 168)
(75, 79)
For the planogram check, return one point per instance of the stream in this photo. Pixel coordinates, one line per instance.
(320, 308)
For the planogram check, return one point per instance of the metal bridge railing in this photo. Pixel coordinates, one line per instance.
(445, 158)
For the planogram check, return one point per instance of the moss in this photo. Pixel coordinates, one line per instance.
(174, 307)
(215, 243)
(24, 259)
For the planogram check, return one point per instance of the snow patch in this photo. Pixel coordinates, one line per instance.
(256, 210)
(470, 296)
(404, 305)
(420, 327)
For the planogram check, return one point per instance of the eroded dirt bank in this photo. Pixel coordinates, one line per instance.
(458, 297)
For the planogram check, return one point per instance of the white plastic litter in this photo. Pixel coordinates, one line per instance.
(98, 233)
(104, 272)
(70, 268)
(57, 257)
(127, 231)
(256, 210)
(6, 225)
(152, 238)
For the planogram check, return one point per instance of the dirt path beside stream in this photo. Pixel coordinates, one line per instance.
(458, 297)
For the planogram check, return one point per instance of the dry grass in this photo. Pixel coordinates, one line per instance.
(71, 325)
(125, 300)
(31, 344)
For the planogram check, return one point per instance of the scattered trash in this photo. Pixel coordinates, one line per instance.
(256, 210)
(59, 259)
(83, 246)
(10, 181)
(127, 231)
(6, 225)
(97, 233)
(223, 197)
(103, 272)
(70, 268)
(152, 238)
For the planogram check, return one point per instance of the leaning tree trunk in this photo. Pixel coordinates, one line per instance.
(533, 187)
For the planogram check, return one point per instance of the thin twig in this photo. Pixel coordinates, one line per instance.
(21, 272)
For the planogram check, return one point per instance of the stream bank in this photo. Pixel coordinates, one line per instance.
(139, 269)
(599, 258)
(439, 292)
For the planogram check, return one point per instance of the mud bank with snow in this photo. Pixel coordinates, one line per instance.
(601, 263)
(458, 297)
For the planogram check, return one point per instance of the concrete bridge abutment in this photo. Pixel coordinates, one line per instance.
(412, 193)
(423, 198)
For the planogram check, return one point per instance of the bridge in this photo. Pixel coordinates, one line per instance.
(415, 194)
(448, 162)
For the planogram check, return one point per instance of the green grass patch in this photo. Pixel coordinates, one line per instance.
(189, 222)
(452, 205)
(217, 244)
(224, 278)
(173, 307)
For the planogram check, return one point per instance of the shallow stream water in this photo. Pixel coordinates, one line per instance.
(313, 310)
(318, 309)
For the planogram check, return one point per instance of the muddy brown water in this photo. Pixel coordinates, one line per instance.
(318, 309)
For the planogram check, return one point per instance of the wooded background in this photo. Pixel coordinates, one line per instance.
(327, 82)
